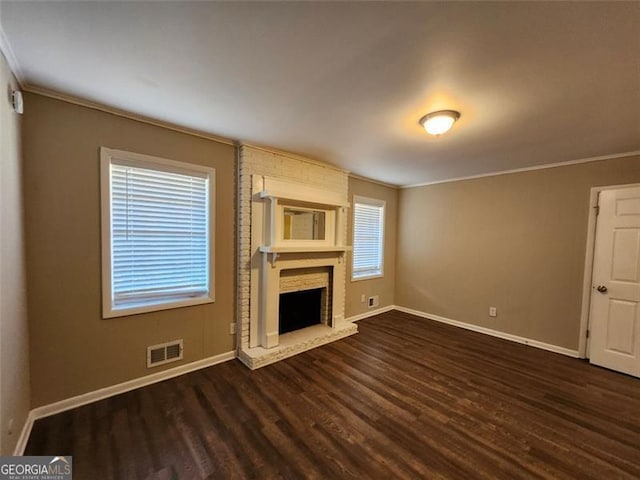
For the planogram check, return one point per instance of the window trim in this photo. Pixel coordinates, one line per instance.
(376, 203)
(122, 157)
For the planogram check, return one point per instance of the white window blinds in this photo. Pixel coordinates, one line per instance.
(159, 236)
(368, 233)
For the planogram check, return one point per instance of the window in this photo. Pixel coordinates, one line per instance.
(157, 233)
(368, 234)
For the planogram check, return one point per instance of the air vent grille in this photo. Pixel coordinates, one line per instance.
(174, 351)
(157, 355)
(164, 353)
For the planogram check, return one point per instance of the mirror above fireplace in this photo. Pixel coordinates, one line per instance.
(303, 224)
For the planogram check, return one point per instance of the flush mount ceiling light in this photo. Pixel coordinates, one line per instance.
(437, 123)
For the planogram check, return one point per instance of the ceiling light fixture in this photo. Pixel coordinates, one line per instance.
(437, 123)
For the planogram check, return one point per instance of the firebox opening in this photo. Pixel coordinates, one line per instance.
(300, 310)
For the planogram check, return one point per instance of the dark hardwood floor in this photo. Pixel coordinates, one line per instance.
(405, 398)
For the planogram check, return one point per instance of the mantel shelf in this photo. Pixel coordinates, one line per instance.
(304, 249)
(278, 189)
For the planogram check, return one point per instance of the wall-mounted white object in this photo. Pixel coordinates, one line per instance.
(16, 100)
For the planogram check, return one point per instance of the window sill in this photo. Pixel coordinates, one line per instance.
(368, 277)
(125, 312)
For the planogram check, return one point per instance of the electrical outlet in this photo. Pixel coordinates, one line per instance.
(493, 312)
(373, 301)
(232, 328)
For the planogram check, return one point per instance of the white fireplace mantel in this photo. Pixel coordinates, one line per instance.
(275, 252)
(268, 186)
(273, 195)
(279, 254)
(303, 249)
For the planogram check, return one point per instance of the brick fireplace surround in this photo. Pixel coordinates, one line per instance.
(263, 275)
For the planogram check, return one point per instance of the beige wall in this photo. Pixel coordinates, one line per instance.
(384, 286)
(516, 242)
(73, 350)
(14, 348)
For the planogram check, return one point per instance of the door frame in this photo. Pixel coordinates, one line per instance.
(585, 313)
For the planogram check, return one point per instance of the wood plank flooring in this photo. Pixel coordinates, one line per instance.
(404, 398)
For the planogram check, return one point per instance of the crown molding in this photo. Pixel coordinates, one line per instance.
(377, 182)
(45, 92)
(12, 60)
(528, 169)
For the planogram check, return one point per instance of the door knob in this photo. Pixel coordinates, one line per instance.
(602, 289)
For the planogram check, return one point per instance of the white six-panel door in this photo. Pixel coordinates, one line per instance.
(615, 298)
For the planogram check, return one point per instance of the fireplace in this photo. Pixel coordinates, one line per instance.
(300, 309)
(292, 245)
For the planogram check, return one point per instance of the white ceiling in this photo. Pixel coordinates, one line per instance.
(346, 83)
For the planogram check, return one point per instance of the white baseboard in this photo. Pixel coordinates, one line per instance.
(90, 397)
(370, 313)
(493, 333)
(24, 435)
